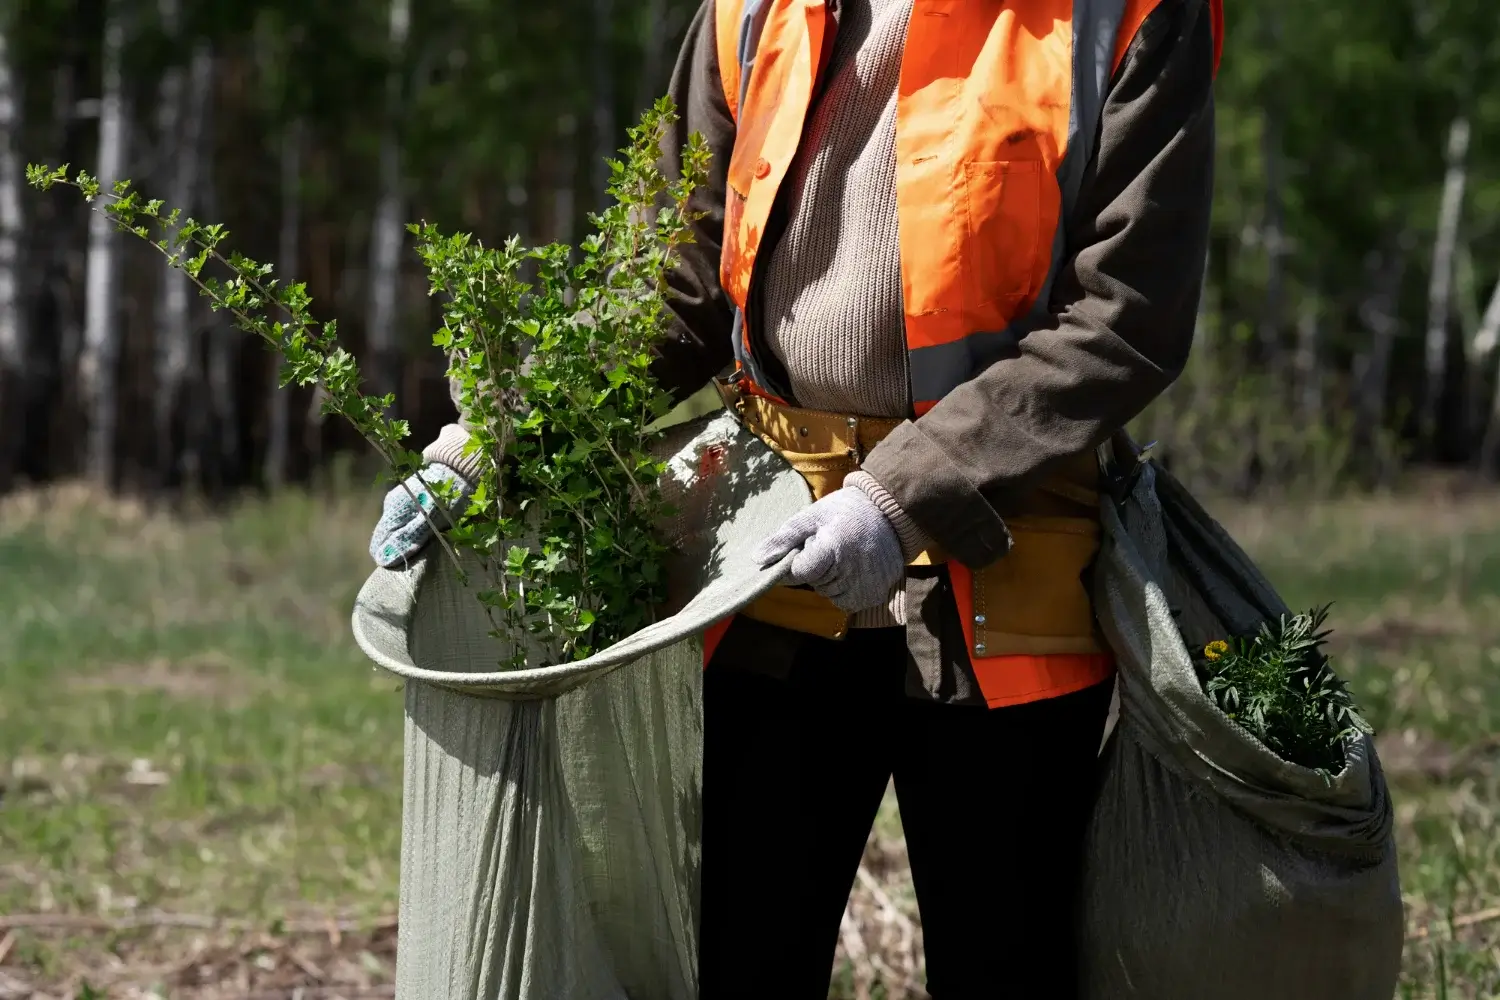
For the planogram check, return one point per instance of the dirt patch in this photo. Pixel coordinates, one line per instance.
(1388, 632)
(211, 677)
(1412, 754)
(309, 961)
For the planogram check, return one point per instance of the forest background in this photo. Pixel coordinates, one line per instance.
(199, 773)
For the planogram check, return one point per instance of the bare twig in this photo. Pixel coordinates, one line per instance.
(6, 944)
(307, 967)
(858, 955)
(1463, 922)
(892, 911)
(335, 937)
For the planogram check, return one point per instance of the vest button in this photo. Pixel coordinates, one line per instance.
(762, 167)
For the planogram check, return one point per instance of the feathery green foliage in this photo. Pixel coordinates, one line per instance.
(1278, 684)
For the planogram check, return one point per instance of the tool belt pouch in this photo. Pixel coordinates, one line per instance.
(1034, 601)
(1031, 602)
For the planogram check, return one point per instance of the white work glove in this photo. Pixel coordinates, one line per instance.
(404, 529)
(847, 550)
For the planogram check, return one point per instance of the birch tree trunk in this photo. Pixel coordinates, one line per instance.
(222, 443)
(13, 338)
(1440, 286)
(98, 366)
(1309, 363)
(51, 384)
(169, 357)
(1481, 351)
(1487, 337)
(386, 238)
(288, 250)
(187, 109)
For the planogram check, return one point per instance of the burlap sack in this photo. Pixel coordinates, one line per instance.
(1214, 869)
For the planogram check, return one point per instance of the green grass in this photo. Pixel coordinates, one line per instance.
(186, 726)
(1418, 589)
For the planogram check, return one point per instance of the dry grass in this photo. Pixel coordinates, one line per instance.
(199, 774)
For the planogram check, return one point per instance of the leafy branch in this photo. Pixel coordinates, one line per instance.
(552, 377)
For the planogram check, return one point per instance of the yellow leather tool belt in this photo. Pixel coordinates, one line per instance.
(1033, 602)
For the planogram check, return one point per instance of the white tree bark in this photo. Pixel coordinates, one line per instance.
(222, 443)
(1309, 362)
(186, 101)
(168, 355)
(1487, 337)
(13, 339)
(1440, 286)
(99, 359)
(287, 253)
(387, 236)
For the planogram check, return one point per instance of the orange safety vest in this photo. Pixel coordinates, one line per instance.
(997, 114)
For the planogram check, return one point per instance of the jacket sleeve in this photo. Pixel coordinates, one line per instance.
(1122, 314)
(697, 345)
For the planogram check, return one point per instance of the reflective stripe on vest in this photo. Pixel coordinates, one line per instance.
(996, 118)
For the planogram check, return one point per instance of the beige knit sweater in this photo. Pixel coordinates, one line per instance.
(830, 305)
(830, 302)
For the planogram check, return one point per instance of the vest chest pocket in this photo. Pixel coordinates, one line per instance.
(1003, 204)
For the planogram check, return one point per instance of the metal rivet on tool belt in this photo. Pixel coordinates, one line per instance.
(979, 619)
(853, 421)
(979, 648)
(802, 431)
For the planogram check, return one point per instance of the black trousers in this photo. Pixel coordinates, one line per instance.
(993, 804)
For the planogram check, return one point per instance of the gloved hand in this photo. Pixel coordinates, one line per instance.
(403, 529)
(847, 550)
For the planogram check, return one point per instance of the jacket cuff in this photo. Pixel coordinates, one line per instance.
(448, 450)
(913, 539)
(938, 497)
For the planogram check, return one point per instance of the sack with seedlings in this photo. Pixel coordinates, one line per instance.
(1215, 867)
(551, 829)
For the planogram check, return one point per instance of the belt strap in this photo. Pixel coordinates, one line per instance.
(792, 431)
